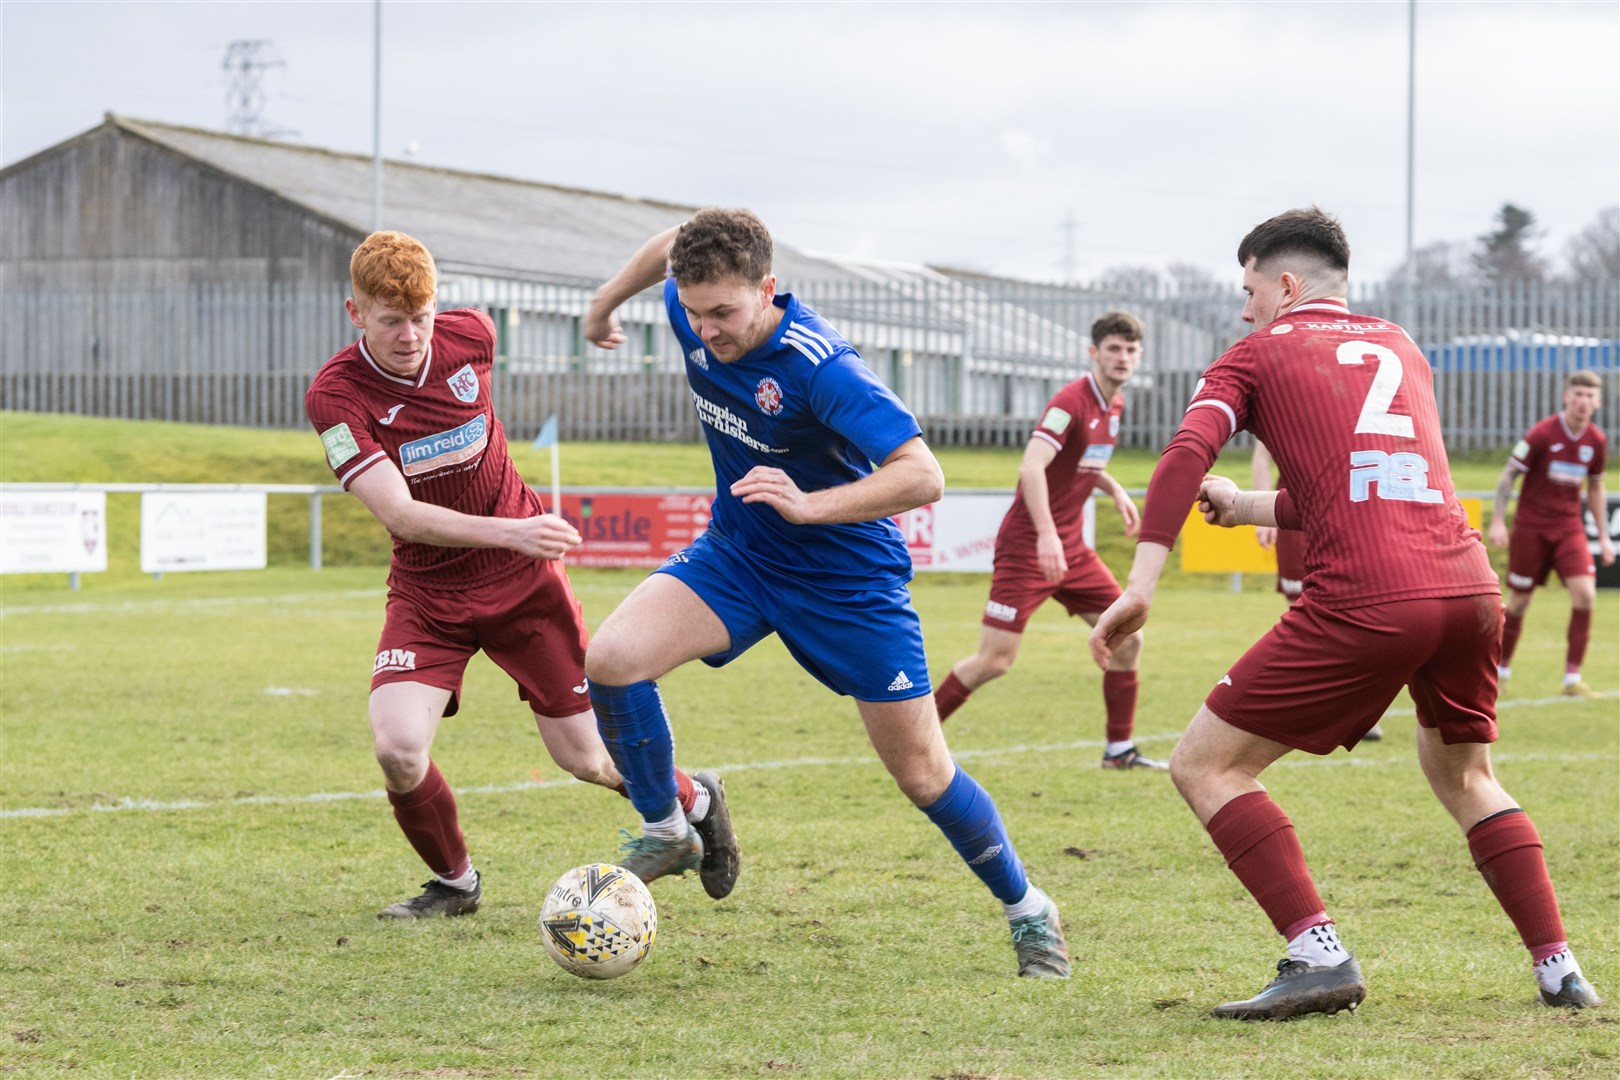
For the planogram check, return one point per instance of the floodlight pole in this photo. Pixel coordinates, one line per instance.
(376, 115)
(1410, 277)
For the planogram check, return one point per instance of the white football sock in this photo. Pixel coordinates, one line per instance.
(465, 882)
(1033, 903)
(1504, 671)
(1571, 678)
(673, 827)
(700, 803)
(1114, 749)
(1319, 946)
(1551, 972)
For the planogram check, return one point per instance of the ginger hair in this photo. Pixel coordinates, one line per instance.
(393, 269)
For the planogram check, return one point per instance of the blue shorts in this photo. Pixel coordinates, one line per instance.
(866, 643)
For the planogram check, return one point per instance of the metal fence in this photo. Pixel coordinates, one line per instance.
(976, 359)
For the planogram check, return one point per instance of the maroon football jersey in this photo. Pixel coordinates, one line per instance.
(439, 430)
(1083, 427)
(1346, 405)
(1556, 465)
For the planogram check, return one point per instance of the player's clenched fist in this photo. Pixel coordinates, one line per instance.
(1217, 500)
(775, 489)
(544, 536)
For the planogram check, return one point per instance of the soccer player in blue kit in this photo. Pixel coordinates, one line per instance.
(800, 544)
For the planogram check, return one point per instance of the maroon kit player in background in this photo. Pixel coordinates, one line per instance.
(406, 419)
(1398, 592)
(1041, 551)
(1557, 456)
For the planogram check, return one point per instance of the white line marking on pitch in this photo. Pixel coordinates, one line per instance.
(988, 753)
(90, 607)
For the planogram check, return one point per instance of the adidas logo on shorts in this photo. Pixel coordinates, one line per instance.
(900, 683)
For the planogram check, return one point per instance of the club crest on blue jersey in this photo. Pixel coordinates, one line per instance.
(768, 396)
(464, 384)
(700, 358)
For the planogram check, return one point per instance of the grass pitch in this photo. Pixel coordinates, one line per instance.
(196, 842)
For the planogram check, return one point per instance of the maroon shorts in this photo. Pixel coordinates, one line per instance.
(1017, 589)
(529, 623)
(1535, 551)
(1290, 562)
(1322, 678)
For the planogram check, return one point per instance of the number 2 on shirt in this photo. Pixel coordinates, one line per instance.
(1376, 419)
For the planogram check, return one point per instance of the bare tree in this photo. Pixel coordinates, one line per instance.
(1505, 253)
(1593, 254)
(1442, 263)
(1132, 279)
(1192, 280)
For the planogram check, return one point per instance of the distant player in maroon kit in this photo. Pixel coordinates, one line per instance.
(1558, 456)
(406, 419)
(1041, 551)
(1398, 592)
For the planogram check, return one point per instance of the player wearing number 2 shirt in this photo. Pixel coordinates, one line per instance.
(405, 416)
(1398, 592)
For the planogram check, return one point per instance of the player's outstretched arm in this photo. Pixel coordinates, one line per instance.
(1126, 615)
(1122, 502)
(1038, 454)
(384, 492)
(908, 478)
(1498, 533)
(645, 269)
(1597, 500)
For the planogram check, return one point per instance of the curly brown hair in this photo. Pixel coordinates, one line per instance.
(720, 245)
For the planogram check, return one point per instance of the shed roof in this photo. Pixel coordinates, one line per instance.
(473, 222)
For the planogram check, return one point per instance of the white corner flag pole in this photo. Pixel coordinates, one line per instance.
(548, 437)
(556, 483)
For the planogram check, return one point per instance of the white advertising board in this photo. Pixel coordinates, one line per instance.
(202, 531)
(959, 531)
(53, 532)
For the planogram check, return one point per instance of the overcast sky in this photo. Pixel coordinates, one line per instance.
(962, 134)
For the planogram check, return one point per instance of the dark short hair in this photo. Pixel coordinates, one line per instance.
(1116, 324)
(717, 245)
(1311, 232)
(1584, 377)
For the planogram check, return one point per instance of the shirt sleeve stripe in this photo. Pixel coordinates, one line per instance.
(803, 348)
(1039, 434)
(797, 333)
(1231, 417)
(372, 460)
(809, 333)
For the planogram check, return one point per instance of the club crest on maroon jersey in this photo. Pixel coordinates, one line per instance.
(1585, 454)
(768, 396)
(464, 384)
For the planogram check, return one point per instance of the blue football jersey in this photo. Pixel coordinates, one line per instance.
(806, 403)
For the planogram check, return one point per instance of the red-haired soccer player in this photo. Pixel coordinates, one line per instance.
(1398, 592)
(1556, 457)
(406, 419)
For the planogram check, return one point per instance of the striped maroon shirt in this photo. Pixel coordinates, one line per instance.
(440, 431)
(1346, 405)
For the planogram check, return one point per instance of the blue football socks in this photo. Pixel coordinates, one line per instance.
(636, 730)
(967, 815)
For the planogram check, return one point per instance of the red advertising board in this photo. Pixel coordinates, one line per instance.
(625, 529)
